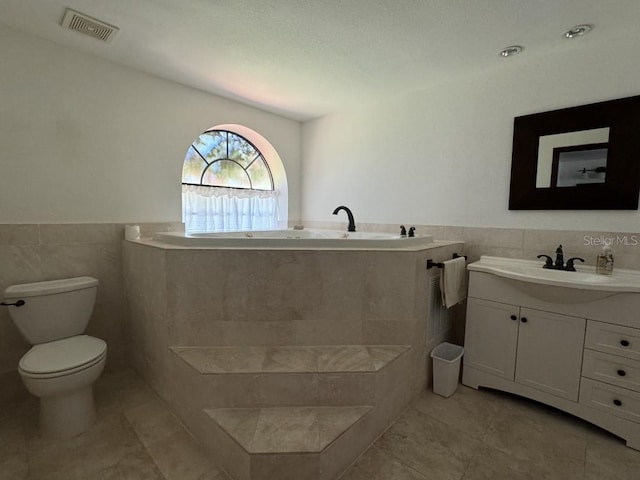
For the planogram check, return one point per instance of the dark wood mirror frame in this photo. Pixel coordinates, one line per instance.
(622, 182)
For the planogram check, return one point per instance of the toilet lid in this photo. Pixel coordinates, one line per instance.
(62, 355)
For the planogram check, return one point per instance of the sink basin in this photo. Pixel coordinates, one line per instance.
(582, 285)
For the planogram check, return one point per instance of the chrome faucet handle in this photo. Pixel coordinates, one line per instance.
(569, 266)
(548, 263)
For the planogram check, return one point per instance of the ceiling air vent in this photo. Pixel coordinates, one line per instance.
(89, 26)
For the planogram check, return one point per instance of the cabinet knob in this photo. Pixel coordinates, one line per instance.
(513, 317)
(617, 403)
(624, 343)
(523, 319)
(622, 373)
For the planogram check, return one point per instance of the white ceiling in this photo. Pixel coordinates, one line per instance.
(308, 58)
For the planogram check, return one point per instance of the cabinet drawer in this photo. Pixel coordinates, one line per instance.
(615, 339)
(617, 401)
(612, 369)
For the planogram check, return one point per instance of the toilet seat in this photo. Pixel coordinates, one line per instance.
(62, 357)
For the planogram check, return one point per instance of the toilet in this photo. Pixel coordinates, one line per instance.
(62, 364)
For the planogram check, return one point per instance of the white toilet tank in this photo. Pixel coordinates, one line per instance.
(52, 310)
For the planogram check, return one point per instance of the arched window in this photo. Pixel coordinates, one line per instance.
(227, 184)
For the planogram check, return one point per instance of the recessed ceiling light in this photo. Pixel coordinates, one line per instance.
(511, 51)
(577, 31)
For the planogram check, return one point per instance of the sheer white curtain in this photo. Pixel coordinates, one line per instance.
(213, 209)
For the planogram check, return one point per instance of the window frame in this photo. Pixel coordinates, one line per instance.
(259, 156)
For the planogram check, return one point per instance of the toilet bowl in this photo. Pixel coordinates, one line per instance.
(62, 365)
(61, 373)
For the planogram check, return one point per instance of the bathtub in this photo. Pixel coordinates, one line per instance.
(307, 239)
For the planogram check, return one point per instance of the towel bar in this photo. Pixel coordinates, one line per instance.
(431, 263)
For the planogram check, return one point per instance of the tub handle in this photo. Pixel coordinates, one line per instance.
(19, 303)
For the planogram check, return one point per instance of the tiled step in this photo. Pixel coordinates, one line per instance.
(289, 413)
(290, 359)
(286, 429)
(313, 443)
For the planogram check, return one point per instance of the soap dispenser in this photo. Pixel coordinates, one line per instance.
(604, 265)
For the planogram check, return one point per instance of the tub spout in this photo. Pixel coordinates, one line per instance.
(352, 224)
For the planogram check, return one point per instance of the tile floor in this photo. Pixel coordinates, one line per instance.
(470, 436)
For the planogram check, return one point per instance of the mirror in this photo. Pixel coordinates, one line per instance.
(579, 158)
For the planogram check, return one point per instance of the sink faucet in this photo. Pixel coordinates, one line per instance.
(352, 224)
(559, 263)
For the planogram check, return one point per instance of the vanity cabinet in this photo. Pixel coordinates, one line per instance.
(531, 347)
(581, 355)
(611, 370)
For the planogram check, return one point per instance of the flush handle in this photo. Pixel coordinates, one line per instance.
(19, 303)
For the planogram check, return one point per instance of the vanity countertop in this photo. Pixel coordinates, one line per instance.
(584, 278)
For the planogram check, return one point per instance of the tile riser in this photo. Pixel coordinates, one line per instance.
(387, 390)
(276, 389)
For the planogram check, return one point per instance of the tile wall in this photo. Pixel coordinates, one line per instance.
(38, 252)
(521, 242)
(31, 252)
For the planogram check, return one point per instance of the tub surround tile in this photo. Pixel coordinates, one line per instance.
(290, 389)
(327, 332)
(341, 389)
(282, 367)
(390, 331)
(249, 333)
(148, 229)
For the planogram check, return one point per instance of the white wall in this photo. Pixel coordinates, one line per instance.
(86, 140)
(442, 156)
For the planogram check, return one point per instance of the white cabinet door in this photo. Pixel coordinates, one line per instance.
(491, 337)
(550, 352)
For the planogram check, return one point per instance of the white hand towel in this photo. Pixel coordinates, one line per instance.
(453, 282)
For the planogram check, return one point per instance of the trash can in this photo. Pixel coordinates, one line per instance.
(446, 368)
